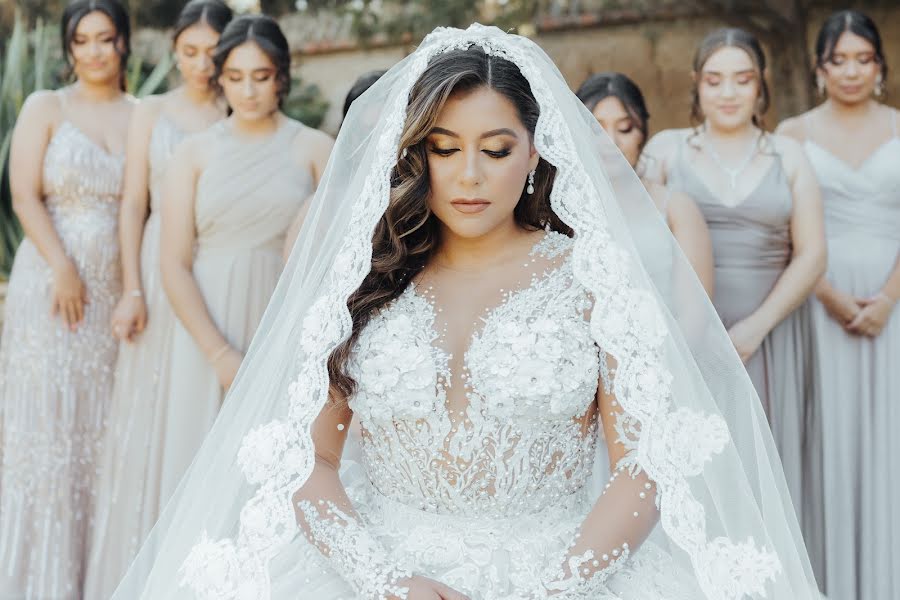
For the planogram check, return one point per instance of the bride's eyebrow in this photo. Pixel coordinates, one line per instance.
(486, 134)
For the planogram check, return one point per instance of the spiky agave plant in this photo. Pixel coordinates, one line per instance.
(28, 64)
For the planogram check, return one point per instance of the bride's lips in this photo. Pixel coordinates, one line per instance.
(470, 206)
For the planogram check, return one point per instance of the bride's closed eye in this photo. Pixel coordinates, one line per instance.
(502, 153)
(442, 151)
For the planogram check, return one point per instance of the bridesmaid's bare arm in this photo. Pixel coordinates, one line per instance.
(807, 236)
(690, 231)
(892, 285)
(177, 260)
(658, 155)
(130, 315)
(313, 149)
(793, 127)
(30, 138)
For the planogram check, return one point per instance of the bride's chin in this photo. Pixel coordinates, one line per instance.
(469, 228)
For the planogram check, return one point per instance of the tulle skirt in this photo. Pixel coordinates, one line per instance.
(484, 558)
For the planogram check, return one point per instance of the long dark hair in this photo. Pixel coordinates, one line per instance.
(731, 37)
(855, 22)
(359, 87)
(265, 32)
(407, 234)
(600, 86)
(76, 10)
(214, 13)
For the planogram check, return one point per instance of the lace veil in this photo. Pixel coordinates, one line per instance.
(698, 429)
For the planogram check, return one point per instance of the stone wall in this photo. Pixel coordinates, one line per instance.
(657, 55)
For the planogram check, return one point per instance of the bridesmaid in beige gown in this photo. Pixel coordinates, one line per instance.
(231, 194)
(760, 198)
(128, 496)
(57, 351)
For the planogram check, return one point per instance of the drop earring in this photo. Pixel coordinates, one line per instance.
(820, 85)
(530, 188)
(879, 87)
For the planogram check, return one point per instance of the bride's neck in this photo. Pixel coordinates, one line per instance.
(474, 254)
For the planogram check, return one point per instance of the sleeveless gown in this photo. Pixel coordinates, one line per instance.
(751, 249)
(860, 378)
(128, 494)
(55, 384)
(245, 201)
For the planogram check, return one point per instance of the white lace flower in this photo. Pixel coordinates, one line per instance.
(737, 570)
(262, 449)
(533, 377)
(320, 326)
(694, 437)
(212, 569)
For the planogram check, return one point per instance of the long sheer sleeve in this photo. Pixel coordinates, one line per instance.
(620, 520)
(330, 523)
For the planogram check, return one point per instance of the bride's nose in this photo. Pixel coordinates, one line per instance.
(472, 173)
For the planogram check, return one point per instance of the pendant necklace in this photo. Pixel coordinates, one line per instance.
(732, 172)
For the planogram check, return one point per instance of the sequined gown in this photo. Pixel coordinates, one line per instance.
(860, 377)
(128, 494)
(55, 384)
(245, 199)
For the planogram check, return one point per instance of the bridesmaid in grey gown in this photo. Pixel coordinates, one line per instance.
(57, 350)
(128, 496)
(761, 202)
(852, 141)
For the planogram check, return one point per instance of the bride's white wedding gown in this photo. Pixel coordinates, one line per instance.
(476, 470)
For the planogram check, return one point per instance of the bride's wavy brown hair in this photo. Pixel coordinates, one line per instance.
(408, 234)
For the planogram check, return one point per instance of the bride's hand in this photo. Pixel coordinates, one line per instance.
(422, 588)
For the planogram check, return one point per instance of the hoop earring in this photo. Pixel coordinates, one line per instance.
(530, 188)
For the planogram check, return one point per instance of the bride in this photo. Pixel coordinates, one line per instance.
(534, 420)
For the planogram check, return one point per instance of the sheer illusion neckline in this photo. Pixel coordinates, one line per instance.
(551, 246)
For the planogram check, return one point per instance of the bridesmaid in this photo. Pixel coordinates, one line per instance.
(761, 201)
(852, 141)
(57, 352)
(618, 105)
(128, 501)
(231, 193)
